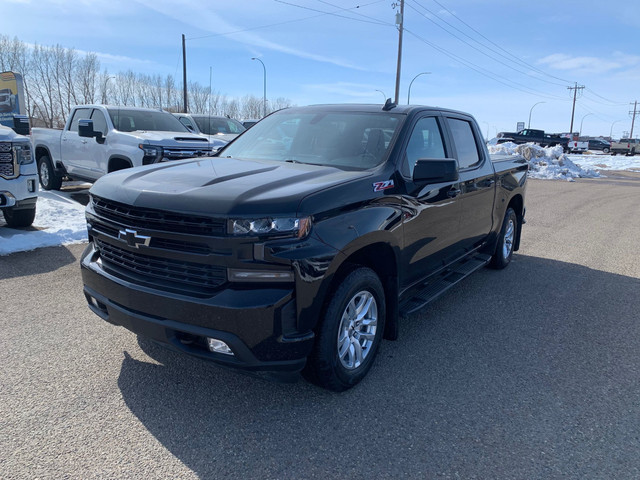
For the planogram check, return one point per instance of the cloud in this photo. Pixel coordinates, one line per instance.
(194, 14)
(618, 60)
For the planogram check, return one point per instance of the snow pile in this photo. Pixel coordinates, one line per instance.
(547, 163)
(607, 162)
(59, 221)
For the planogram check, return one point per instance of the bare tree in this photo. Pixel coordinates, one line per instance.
(279, 103)
(198, 98)
(86, 78)
(43, 85)
(251, 107)
(56, 78)
(126, 88)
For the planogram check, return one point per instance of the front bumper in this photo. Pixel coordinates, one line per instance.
(20, 191)
(254, 323)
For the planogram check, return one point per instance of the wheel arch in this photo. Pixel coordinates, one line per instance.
(382, 258)
(517, 204)
(118, 162)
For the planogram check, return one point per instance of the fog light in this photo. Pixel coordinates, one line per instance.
(218, 346)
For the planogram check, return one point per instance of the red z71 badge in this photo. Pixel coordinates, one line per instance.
(379, 186)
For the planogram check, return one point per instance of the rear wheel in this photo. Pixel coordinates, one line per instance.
(350, 332)
(19, 218)
(48, 178)
(506, 241)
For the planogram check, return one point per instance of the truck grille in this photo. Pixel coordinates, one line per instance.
(149, 218)
(6, 160)
(176, 153)
(166, 274)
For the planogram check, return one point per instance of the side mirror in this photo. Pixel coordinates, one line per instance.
(85, 129)
(21, 124)
(435, 170)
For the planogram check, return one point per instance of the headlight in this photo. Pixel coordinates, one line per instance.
(296, 227)
(152, 154)
(22, 153)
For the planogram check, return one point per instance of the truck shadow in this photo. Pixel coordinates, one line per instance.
(541, 357)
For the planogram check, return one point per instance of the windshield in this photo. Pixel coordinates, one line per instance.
(150, 120)
(350, 140)
(216, 125)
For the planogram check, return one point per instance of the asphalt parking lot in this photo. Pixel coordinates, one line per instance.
(531, 372)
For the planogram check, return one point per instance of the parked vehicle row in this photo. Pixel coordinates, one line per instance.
(627, 146)
(99, 139)
(531, 135)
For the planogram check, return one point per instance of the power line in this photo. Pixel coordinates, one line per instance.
(499, 60)
(285, 22)
(483, 71)
(334, 14)
(611, 102)
(514, 57)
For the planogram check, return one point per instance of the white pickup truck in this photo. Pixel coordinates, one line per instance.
(18, 175)
(99, 139)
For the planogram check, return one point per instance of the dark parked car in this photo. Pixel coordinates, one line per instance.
(304, 241)
(602, 145)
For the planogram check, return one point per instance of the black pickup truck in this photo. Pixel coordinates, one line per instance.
(531, 135)
(302, 244)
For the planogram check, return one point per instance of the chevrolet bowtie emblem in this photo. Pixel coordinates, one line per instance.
(131, 238)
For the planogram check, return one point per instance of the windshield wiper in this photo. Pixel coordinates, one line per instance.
(293, 160)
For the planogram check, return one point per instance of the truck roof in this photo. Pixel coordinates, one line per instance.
(373, 108)
(123, 107)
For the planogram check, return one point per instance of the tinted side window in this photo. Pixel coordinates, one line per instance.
(79, 114)
(425, 142)
(186, 122)
(99, 122)
(466, 146)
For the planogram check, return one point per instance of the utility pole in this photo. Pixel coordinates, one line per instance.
(184, 74)
(633, 119)
(400, 23)
(573, 110)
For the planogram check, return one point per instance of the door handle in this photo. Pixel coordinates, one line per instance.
(454, 192)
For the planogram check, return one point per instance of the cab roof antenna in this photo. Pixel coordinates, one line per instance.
(388, 105)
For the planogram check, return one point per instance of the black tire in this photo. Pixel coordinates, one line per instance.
(325, 367)
(19, 218)
(48, 178)
(605, 150)
(506, 240)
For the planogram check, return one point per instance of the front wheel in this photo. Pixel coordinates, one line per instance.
(19, 218)
(48, 178)
(350, 333)
(605, 150)
(506, 241)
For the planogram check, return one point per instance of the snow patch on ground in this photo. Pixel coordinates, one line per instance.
(59, 221)
(546, 163)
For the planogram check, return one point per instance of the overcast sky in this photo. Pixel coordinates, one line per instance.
(495, 59)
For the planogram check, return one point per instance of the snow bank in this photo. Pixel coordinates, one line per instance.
(546, 163)
(59, 221)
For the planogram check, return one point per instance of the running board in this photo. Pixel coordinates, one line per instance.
(432, 289)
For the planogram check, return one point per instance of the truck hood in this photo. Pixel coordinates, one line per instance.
(8, 135)
(221, 186)
(170, 139)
